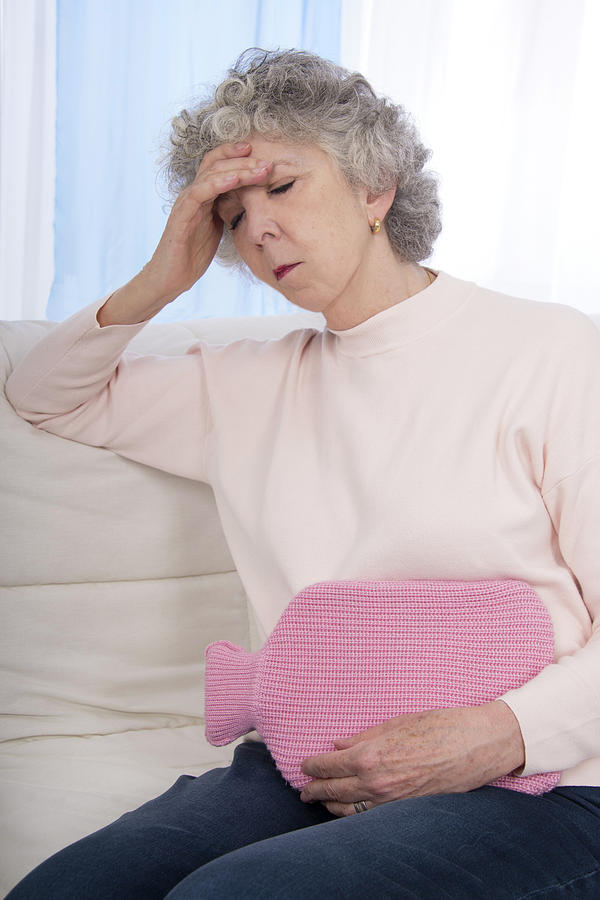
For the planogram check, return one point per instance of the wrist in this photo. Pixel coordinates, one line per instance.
(508, 730)
(135, 302)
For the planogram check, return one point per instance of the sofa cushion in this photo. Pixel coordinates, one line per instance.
(115, 576)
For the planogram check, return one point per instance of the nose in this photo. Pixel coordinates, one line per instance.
(261, 224)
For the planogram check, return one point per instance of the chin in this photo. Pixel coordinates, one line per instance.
(316, 304)
(309, 307)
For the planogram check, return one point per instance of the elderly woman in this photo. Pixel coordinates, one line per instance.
(432, 430)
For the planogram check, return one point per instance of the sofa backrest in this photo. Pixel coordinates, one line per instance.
(114, 575)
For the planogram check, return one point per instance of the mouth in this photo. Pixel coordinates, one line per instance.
(281, 271)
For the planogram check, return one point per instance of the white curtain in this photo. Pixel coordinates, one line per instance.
(96, 79)
(27, 168)
(505, 92)
(125, 67)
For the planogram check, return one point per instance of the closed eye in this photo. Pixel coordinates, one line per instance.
(278, 190)
(282, 189)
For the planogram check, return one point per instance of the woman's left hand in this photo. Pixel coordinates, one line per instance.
(436, 752)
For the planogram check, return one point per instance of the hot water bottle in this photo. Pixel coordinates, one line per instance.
(347, 655)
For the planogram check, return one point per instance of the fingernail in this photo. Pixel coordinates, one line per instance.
(241, 145)
(260, 168)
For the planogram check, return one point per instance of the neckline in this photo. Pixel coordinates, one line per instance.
(406, 321)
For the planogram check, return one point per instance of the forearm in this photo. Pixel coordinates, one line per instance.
(559, 712)
(504, 734)
(71, 364)
(78, 383)
(134, 303)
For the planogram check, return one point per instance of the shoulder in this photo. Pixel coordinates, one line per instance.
(280, 346)
(536, 325)
(257, 363)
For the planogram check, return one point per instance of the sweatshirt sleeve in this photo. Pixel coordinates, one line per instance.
(559, 710)
(78, 383)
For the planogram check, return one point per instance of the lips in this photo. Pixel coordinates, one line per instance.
(281, 271)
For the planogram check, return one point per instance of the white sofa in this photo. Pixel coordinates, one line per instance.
(114, 578)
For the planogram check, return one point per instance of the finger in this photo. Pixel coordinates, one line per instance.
(230, 166)
(341, 790)
(238, 149)
(224, 151)
(345, 809)
(339, 809)
(346, 743)
(354, 739)
(206, 191)
(372, 732)
(221, 182)
(335, 764)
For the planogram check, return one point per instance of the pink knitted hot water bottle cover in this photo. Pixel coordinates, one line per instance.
(346, 655)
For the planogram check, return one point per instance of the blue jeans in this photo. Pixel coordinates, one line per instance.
(243, 832)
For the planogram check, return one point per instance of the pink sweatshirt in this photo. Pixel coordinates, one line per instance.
(455, 435)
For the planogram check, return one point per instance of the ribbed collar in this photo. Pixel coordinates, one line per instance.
(407, 321)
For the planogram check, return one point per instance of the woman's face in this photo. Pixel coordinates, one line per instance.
(304, 231)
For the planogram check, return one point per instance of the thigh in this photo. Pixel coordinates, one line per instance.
(146, 852)
(491, 844)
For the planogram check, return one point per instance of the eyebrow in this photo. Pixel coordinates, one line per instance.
(276, 162)
(287, 162)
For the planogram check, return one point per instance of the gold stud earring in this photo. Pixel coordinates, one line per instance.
(376, 226)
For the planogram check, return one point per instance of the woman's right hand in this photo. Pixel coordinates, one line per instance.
(190, 239)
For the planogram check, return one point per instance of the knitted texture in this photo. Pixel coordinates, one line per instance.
(347, 655)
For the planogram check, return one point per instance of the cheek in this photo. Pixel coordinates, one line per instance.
(347, 224)
(254, 259)
(243, 248)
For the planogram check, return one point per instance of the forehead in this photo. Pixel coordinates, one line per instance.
(282, 151)
(286, 157)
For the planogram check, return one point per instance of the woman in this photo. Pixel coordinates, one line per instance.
(433, 430)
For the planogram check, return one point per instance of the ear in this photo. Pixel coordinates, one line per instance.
(377, 205)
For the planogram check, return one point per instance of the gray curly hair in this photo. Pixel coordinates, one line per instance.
(297, 96)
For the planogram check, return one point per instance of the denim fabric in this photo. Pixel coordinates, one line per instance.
(242, 832)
